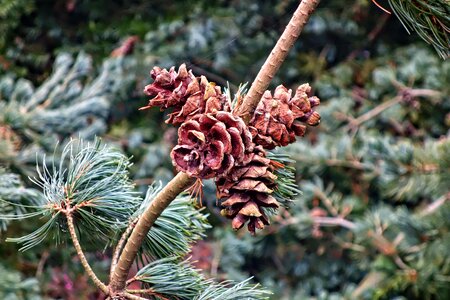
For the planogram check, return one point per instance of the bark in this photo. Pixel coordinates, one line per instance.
(276, 58)
(177, 185)
(80, 254)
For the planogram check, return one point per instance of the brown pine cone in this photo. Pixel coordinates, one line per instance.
(209, 145)
(186, 94)
(247, 190)
(278, 118)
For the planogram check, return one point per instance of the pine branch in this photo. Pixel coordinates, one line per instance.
(430, 19)
(403, 93)
(229, 291)
(15, 199)
(172, 234)
(276, 58)
(172, 279)
(177, 185)
(182, 181)
(179, 225)
(330, 221)
(69, 103)
(92, 182)
(120, 245)
(81, 255)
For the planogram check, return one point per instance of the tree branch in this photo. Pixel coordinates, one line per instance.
(120, 246)
(276, 58)
(330, 221)
(434, 206)
(402, 93)
(132, 297)
(177, 185)
(81, 255)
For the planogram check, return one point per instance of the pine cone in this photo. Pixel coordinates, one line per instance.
(278, 118)
(209, 145)
(186, 94)
(247, 190)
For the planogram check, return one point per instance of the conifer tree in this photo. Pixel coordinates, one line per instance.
(373, 218)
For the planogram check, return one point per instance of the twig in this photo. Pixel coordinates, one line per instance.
(374, 112)
(132, 297)
(216, 259)
(329, 221)
(211, 76)
(276, 58)
(371, 37)
(41, 264)
(402, 94)
(381, 7)
(147, 292)
(177, 185)
(432, 207)
(81, 255)
(120, 246)
(326, 201)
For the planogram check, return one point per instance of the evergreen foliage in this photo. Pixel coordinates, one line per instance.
(94, 181)
(14, 197)
(375, 193)
(90, 183)
(430, 19)
(70, 103)
(14, 286)
(180, 225)
(370, 218)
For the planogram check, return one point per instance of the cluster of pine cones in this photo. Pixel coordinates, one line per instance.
(214, 143)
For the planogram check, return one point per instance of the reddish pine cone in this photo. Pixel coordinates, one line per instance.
(209, 145)
(278, 118)
(186, 94)
(247, 190)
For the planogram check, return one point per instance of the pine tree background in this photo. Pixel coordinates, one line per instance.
(373, 219)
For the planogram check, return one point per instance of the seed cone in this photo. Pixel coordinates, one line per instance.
(279, 118)
(186, 94)
(247, 190)
(209, 145)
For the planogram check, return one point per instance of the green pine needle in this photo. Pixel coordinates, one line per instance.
(230, 291)
(287, 188)
(15, 199)
(179, 280)
(430, 19)
(92, 182)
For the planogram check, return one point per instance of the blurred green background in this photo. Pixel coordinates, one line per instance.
(373, 221)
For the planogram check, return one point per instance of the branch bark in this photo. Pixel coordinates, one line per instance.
(408, 92)
(180, 182)
(120, 246)
(176, 186)
(276, 58)
(81, 255)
